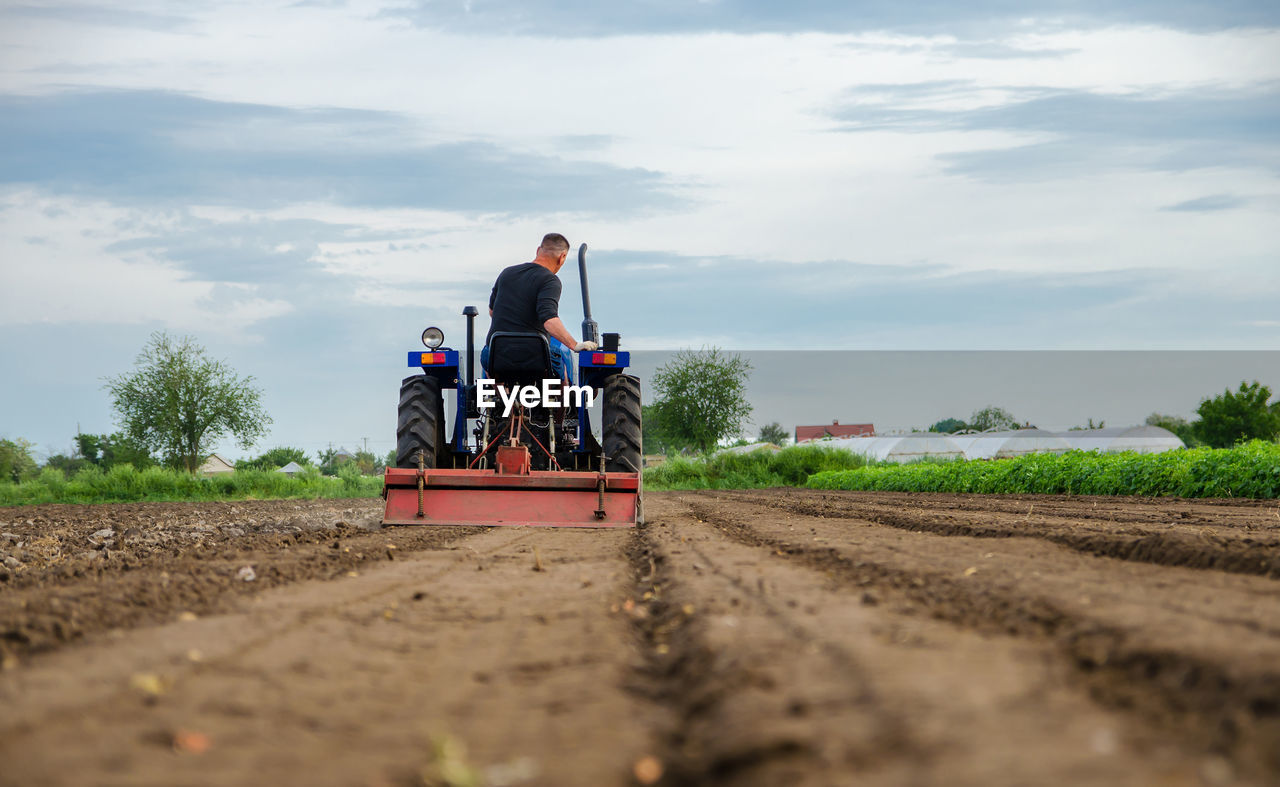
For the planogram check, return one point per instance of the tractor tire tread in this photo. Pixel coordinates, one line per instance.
(622, 428)
(420, 422)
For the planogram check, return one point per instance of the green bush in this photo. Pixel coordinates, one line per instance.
(1249, 470)
(123, 484)
(789, 467)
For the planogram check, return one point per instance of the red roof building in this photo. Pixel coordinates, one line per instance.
(835, 429)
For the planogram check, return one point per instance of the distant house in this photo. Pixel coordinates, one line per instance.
(215, 465)
(291, 469)
(835, 429)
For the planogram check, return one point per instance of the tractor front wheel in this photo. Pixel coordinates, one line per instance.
(420, 424)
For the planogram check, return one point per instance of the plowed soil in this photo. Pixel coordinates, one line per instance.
(745, 638)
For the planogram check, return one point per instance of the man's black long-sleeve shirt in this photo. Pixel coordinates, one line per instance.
(524, 297)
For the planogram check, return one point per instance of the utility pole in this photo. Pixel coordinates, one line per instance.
(366, 444)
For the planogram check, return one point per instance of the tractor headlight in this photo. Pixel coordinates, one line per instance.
(433, 337)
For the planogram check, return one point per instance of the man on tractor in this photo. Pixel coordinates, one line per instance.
(526, 299)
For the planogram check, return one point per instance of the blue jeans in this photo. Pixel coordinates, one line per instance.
(561, 360)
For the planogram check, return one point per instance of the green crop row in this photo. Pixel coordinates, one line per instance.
(123, 483)
(789, 467)
(1250, 470)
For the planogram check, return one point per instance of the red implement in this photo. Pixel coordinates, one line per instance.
(511, 494)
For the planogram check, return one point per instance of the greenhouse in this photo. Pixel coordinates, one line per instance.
(1140, 439)
(900, 447)
(1002, 445)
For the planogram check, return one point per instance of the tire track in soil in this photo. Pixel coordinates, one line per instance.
(1185, 547)
(1234, 706)
(704, 688)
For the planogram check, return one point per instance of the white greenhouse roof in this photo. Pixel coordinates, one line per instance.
(1001, 445)
(900, 447)
(1141, 439)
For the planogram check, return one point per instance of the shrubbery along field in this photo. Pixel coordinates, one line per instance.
(124, 483)
(1250, 470)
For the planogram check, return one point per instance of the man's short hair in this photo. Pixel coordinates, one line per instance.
(554, 243)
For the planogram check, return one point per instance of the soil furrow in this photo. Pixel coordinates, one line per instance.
(105, 695)
(728, 723)
(1165, 544)
(1243, 513)
(744, 639)
(868, 693)
(495, 662)
(56, 543)
(65, 605)
(1234, 703)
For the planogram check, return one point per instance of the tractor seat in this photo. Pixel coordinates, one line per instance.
(517, 358)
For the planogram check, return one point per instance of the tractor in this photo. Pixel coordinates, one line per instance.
(507, 459)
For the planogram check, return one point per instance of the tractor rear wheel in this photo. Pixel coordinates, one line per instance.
(420, 424)
(622, 427)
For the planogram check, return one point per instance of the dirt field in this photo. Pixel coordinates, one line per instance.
(744, 638)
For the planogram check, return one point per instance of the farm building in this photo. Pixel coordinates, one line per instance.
(900, 448)
(835, 429)
(215, 465)
(1140, 439)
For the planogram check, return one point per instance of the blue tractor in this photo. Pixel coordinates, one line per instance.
(538, 463)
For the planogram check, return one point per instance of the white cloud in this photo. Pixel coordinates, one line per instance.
(56, 269)
(740, 122)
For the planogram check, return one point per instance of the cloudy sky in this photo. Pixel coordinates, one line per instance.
(304, 185)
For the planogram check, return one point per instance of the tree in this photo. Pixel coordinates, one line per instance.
(700, 397)
(774, 433)
(328, 461)
(107, 451)
(1183, 428)
(366, 462)
(652, 434)
(274, 459)
(69, 465)
(16, 462)
(996, 418)
(949, 426)
(179, 403)
(1091, 425)
(1237, 416)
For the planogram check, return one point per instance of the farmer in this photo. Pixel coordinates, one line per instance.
(526, 298)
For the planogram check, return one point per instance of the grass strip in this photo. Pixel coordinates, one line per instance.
(125, 484)
(756, 470)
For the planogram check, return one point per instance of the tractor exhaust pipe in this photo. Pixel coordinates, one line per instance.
(590, 331)
(470, 313)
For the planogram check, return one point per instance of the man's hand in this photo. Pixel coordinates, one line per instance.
(556, 330)
(588, 346)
